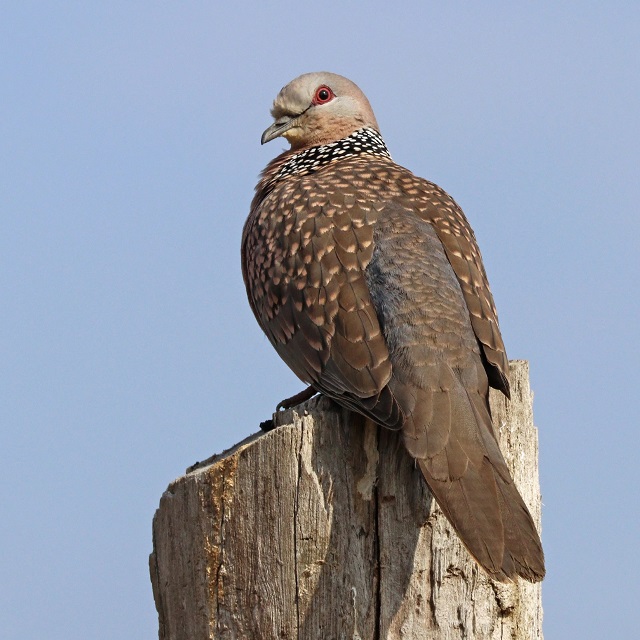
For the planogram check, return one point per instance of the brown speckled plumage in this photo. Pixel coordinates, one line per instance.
(369, 283)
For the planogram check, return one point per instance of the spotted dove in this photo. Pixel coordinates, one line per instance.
(369, 283)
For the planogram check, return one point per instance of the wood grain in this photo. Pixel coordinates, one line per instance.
(324, 528)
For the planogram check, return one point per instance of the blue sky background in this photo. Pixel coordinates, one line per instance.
(130, 146)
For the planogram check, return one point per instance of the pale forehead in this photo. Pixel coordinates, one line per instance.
(297, 95)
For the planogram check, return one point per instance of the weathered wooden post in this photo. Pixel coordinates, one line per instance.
(324, 529)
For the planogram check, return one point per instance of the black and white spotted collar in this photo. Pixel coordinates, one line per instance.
(365, 140)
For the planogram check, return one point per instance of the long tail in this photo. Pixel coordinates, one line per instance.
(470, 481)
(499, 532)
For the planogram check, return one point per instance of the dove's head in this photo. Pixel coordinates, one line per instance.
(318, 108)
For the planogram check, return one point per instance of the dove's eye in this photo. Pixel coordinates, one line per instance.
(323, 95)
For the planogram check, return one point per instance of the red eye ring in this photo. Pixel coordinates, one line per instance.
(323, 95)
